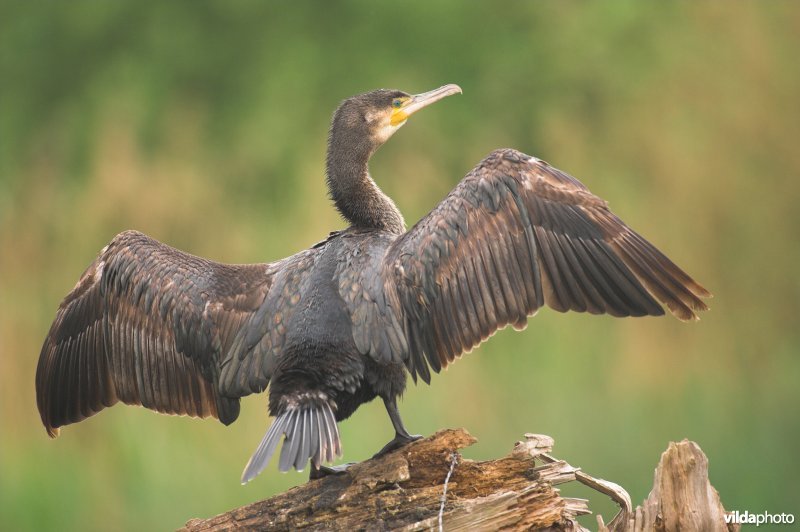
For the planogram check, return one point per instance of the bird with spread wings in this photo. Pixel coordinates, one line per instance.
(345, 322)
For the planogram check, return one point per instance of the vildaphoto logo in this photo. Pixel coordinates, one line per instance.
(764, 518)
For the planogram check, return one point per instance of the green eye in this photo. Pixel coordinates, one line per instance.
(397, 102)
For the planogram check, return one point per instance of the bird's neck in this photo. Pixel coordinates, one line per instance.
(356, 195)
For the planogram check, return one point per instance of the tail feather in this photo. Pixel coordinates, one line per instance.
(305, 442)
(332, 432)
(310, 431)
(313, 441)
(291, 445)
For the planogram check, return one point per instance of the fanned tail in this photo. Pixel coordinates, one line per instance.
(311, 433)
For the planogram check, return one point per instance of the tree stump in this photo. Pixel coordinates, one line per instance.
(682, 497)
(427, 485)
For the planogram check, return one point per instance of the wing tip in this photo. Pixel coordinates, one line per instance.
(688, 307)
(700, 291)
(687, 314)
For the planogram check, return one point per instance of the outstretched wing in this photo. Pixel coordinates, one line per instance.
(147, 325)
(515, 234)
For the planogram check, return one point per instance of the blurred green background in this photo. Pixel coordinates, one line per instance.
(204, 124)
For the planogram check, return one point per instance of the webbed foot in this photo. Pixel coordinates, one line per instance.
(399, 440)
(324, 471)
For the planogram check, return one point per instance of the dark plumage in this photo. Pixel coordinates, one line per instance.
(337, 325)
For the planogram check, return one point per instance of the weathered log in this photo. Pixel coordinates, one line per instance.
(427, 485)
(404, 490)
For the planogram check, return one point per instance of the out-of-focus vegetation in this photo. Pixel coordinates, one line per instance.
(203, 124)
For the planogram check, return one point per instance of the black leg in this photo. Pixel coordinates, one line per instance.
(324, 471)
(401, 435)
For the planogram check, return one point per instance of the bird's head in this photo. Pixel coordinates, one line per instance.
(369, 119)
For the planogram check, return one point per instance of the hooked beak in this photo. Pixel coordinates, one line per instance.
(419, 101)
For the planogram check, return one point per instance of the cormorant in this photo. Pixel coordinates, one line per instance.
(344, 322)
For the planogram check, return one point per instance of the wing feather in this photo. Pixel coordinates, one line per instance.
(514, 235)
(136, 328)
(466, 286)
(482, 297)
